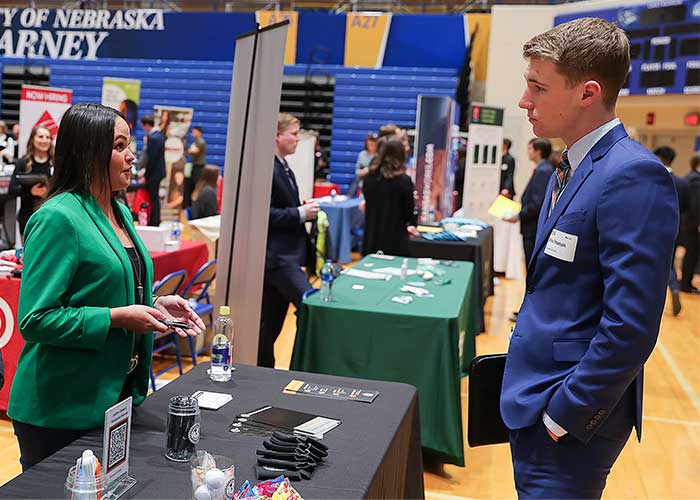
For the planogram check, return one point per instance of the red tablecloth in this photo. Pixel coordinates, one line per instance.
(190, 257)
(11, 341)
(325, 188)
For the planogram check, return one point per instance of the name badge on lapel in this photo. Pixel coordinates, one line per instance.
(561, 245)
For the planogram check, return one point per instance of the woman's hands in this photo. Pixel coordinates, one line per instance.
(175, 308)
(138, 319)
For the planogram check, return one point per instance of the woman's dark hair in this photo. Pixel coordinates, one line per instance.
(391, 159)
(84, 149)
(208, 177)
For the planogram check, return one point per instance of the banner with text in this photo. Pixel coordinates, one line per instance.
(433, 179)
(41, 106)
(268, 17)
(365, 38)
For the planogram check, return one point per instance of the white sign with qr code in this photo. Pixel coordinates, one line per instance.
(115, 442)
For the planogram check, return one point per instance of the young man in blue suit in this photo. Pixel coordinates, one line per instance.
(596, 283)
(288, 244)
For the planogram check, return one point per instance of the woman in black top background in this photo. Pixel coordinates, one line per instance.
(204, 196)
(38, 160)
(389, 206)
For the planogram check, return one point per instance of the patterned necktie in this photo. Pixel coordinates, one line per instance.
(563, 171)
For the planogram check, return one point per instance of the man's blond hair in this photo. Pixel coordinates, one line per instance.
(285, 120)
(586, 48)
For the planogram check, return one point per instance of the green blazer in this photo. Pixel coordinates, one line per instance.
(74, 365)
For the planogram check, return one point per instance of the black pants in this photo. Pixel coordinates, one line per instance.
(38, 443)
(690, 260)
(190, 184)
(153, 187)
(282, 286)
(529, 247)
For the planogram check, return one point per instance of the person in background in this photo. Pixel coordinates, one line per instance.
(85, 307)
(364, 159)
(198, 152)
(691, 259)
(596, 284)
(507, 170)
(15, 135)
(667, 155)
(204, 200)
(288, 244)
(154, 165)
(390, 214)
(321, 169)
(538, 151)
(38, 160)
(7, 144)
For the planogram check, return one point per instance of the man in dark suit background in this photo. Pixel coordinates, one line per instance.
(692, 228)
(538, 150)
(507, 170)
(154, 165)
(288, 244)
(667, 154)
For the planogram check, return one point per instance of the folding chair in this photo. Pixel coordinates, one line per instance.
(198, 289)
(169, 285)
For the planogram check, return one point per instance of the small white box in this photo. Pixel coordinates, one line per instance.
(153, 237)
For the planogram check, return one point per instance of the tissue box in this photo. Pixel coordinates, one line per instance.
(153, 237)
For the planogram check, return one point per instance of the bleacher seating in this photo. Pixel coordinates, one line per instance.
(365, 98)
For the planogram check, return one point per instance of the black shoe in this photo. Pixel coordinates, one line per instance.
(676, 300)
(690, 289)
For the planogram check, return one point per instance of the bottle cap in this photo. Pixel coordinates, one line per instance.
(224, 310)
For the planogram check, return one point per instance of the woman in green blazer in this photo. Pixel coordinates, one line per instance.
(85, 308)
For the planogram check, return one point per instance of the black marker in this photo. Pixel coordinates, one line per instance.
(175, 324)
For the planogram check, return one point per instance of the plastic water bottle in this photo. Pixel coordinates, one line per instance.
(175, 231)
(404, 269)
(221, 347)
(143, 214)
(327, 282)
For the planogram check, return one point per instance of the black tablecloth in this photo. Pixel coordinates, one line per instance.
(478, 250)
(374, 453)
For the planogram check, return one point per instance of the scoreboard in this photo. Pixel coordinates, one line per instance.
(664, 45)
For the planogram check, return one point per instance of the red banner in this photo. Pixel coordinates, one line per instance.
(11, 341)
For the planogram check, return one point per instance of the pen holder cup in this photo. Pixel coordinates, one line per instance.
(212, 481)
(81, 488)
(182, 432)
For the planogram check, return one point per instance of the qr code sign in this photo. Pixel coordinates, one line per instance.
(118, 435)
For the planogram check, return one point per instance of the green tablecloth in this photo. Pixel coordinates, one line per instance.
(426, 343)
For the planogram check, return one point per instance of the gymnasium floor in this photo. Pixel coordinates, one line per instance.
(665, 465)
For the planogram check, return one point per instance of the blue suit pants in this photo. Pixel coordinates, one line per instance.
(565, 469)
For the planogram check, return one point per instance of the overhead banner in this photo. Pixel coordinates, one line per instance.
(482, 174)
(267, 17)
(433, 179)
(365, 38)
(41, 106)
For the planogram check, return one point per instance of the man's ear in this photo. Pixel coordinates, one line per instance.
(591, 92)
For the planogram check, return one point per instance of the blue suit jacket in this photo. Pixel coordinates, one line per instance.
(586, 327)
(288, 242)
(533, 198)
